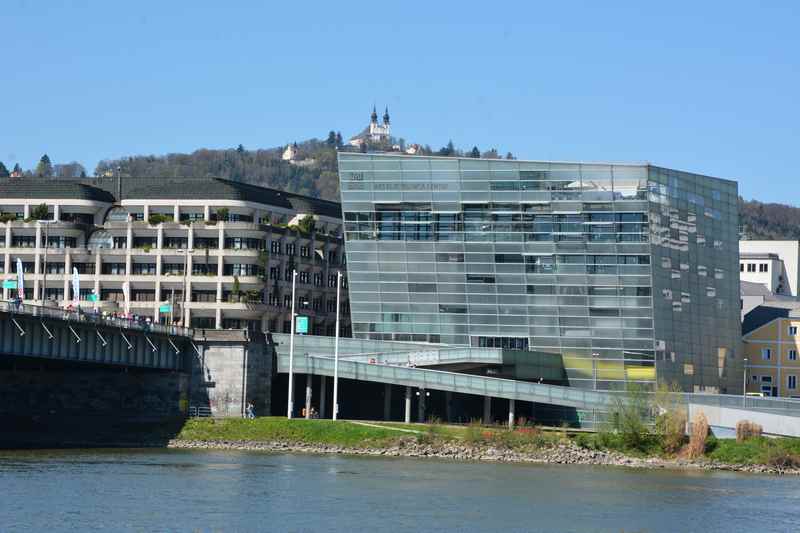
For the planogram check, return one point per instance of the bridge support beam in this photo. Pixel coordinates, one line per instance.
(408, 406)
(421, 406)
(448, 406)
(323, 395)
(387, 401)
(511, 413)
(487, 410)
(309, 378)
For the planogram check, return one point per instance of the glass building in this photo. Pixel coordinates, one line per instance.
(629, 272)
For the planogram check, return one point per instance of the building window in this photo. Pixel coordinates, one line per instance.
(274, 300)
(791, 382)
(287, 300)
(792, 355)
(741, 267)
(274, 273)
(763, 267)
(331, 280)
(275, 247)
(304, 251)
(114, 269)
(330, 306)
(318, 279)
(792, 330)
(144, 269)
(755, 378)
(290, 249)
(303, 277)
(287, 274)
(766, 354)
(751, 267)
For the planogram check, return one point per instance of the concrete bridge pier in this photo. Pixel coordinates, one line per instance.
(448, 406)
(387, 402)
(323, 395)
(487, 410)
(408, 406)
(511, 407)
(309, 379)
(421, 406)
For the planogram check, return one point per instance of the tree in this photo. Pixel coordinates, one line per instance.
(17, 169)
(331, 139)
(339, 139)
(222, 213)
(45, 168)
(509, 155)
(475, 153)
(448, 150)
(240, 149)
(3, 171)
(491, 154)
(40, 212)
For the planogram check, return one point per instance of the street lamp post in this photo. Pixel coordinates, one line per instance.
(290, 402)
(336, 350)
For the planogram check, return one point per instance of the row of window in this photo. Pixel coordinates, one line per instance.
(766, 353)
(751, 267)
(766, 382)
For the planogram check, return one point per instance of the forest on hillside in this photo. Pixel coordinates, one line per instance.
(313, 172)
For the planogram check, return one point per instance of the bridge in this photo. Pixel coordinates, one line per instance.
(419, 366)
(52, 333)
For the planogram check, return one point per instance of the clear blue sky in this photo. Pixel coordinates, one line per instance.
(708, 86)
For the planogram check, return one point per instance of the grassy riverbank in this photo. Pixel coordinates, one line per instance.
(781, 452)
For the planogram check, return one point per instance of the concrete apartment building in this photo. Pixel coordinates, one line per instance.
(627, 272)
(773, 264)
(228, 246)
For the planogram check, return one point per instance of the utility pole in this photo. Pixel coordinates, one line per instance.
(290, 403)
(336, 349)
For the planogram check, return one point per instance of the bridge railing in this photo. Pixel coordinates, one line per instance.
(80, 315)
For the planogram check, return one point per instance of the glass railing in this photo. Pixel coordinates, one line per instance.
(80, 315)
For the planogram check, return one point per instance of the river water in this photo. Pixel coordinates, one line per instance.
(182, 490)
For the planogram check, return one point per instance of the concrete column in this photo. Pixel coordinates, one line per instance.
(38, 236)
(56, 212)
(160, 237)
(7, 262)
(408, 406)
(190, 238)
(487, 410)
(448, 406)
(26, 211)
(129, 236)
(387, 402)
(146, 212)
(221, 234)
(8, 238)
(323, 395)
(511, 414)
(206, 213)
(421, 406)
(308, 395)
(67, 276)
(176, 213)
(218, 318)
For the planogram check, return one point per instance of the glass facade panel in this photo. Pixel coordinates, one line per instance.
(547, 257)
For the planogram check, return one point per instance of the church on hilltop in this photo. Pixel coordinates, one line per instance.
(375, 133)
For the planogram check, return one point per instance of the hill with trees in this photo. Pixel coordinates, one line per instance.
(769, 221)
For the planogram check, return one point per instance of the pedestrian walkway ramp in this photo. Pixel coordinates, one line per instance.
(778, 416)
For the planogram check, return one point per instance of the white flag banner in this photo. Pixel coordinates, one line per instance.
(76, 287)
(20, 279)
(126, 293)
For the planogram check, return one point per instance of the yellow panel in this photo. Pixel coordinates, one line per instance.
(641, 373)
(610, 370)
(581, 363)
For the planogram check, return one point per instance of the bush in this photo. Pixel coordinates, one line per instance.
(781, 458)
(7, 217)
(474, 432)
(157, 218)
(628, 417)
(40, 212)
(222, 213)
(671, 417)
(747, 430)
(698, 437)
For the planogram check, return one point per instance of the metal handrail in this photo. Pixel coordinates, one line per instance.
(93, 318)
